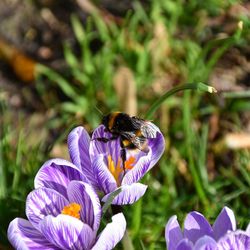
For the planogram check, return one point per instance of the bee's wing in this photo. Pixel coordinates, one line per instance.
(139, 141)
(149, 130)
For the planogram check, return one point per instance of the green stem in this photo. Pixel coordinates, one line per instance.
(136, 222)
(126, 240)
(188, 86)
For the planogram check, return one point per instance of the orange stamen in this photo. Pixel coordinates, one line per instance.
(118, 169)
(129, 164)
(73, 209)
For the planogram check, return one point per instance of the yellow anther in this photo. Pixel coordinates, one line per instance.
(73, 209)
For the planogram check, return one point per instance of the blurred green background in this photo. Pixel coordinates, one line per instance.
(62, 61)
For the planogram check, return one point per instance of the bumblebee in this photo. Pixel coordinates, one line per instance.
(132, 131)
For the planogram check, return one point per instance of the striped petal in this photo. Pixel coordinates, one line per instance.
(105, 179)
(145, 163)
(112, 147)
(56, 174)
(23, 236)
(225, 222)
(112, 233)
(84, 195)
(42, 202)
(128, 195)
(78, 144)
(173, 233)
(237, 240)
(67, 232)
(196, 226)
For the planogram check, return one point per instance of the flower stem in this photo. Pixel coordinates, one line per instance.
(126, 240)
(188, 86)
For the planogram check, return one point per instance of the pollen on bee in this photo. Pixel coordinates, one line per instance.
(73, 209)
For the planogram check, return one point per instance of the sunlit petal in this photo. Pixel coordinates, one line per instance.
(78, 144)
(196, 226)
(129, 194)
(173, 233)
(23, 236)
(42, 202)
(112, 233)
(67, 232)
(56, 174)
(225, 222)
(84, 195)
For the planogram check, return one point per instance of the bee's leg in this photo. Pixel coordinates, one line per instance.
(124, 158)
(103, 139)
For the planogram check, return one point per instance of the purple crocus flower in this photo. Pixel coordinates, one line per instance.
(65, 222)
(100, 164)
(108, 167)
(198, 234)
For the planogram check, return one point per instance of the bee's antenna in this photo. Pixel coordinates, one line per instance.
(99, 111)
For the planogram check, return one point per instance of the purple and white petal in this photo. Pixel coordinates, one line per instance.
(129, 194)
(205, 243)
(185, 244)
(106, 181)
(112, 147)
(248, 230)
(67, 232)
(78, 144)
(56, 174)
(196, 226)
(42, 202)
(112, 233)
(83, 194)
(23, 236)
(139, 170)
(225, 222)
(145, 163)
(237, 240)
(173, 233)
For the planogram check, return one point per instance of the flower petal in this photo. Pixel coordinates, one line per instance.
(237, 240)
(78, 144)
(129, 194)
(248, 230)
(23, 236)
(205, 243)
(56, 174)
(112, 233)
(67, 232)
(184, 244)
(112, 147)
(83, 194)
(224, 222)
(145, 163)
(42, 202)
(106, 181)
(173, 233)
(196, 226)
